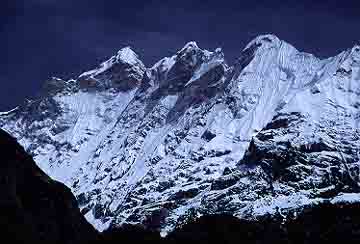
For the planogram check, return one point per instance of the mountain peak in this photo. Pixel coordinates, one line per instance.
(127, 55)
(356, 50)
(190, 48)
(123, 70)
(268, 40)
(190, 45)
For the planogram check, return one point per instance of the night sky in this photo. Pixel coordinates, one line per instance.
(44, 38)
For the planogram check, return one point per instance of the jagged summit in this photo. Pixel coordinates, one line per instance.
(355, 51)
(266, 39)
(190, 55)
(190, 49)
(190, 45)
(127, 55)
(186, 67)
(122, 71)
(277, 131)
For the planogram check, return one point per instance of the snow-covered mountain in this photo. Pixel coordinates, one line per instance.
(277, 131)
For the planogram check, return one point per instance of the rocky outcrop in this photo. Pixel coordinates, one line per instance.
(122, 72)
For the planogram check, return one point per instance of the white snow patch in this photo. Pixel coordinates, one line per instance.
(124, 55)
(97, 223)
(204, 68)
(346, 198)
(9, 112)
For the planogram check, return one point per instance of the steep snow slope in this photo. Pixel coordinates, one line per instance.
(277, 131)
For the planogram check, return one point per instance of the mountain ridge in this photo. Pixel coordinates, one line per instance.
(266, 37)
(277, 130)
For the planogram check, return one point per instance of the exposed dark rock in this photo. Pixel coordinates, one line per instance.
(208, 135)
(117, 73)
(184, 194)
(224, 182)
(282, 120)
(227, 171)
(83, 199)
(155, 220)
(163, 185)
(98, 211)
(245, 58)
(315, 90)
(55, 85)
(344, 72)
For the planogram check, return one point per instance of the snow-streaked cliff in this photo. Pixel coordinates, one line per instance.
(191, 135)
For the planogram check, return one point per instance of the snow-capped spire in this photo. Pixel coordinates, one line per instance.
(187, 55)
(189, 46)
(124, 56)
(191, 57)
(123, 70)
(355, 51)
(127, 55)
(349, 59)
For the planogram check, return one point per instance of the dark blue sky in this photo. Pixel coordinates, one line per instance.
(43, 38)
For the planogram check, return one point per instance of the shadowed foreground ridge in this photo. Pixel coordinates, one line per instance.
(323, 223)
(33, 207)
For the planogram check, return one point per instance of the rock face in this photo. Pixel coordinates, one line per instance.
(33, 207)
(192, 135)
(123, 72)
